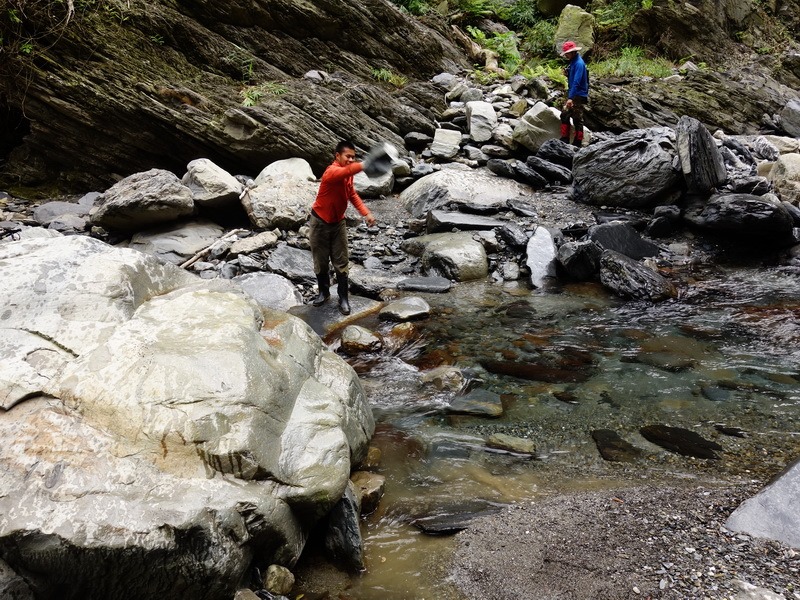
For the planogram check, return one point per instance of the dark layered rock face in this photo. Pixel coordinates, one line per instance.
(128, 86)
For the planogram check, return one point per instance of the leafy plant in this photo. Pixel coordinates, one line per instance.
(388, 76)
(483, 77)
(415, 7)
(616, 15)
(632, 62)
(554, 72)
(520, 14)
(157, 39)
(537, 40)
(254, 94)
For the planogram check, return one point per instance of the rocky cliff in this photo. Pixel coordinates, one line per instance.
(121, 86)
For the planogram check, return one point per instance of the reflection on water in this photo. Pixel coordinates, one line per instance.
(565, 363)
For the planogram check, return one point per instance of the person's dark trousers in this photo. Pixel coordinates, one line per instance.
(343, 292)
(328, 243)
(576, 114)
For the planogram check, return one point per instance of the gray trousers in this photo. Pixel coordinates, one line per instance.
(328, 244)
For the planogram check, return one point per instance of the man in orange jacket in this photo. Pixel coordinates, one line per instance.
(328, 231)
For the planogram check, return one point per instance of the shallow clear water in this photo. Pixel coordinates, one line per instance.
(727, 352)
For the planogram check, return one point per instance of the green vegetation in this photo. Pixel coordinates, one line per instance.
(631, 62)
(551, 71)
(254, 94)
(388, 76)
(505, 44)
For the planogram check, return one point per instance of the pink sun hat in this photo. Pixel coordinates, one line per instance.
(569, 46)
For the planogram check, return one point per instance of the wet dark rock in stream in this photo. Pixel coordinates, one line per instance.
(452, 519)
(613, 447)
(680, 440)
(478, 402)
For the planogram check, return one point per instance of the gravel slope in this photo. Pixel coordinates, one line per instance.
(640, 542)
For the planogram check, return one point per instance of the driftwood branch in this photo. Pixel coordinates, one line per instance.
(207, 249)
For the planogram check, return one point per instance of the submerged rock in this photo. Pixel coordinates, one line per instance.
(613, 448)
(682, 441)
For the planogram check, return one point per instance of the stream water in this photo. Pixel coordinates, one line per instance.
(725, 354)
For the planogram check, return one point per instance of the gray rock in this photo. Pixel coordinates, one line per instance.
(471, 95)
(495, 151)
(369, 489)
(790, 118)
(356, 339)
(459, 187)
(430, 285)
(446, 143)
(293, 169)
(68, 224)
(636, 169)
(280, 201)
(738, 214)
(754, 185)
(211, 186)
(748, 591)
(405, 309)
(541, 256)
(270, 290)
(700, 159)
(539, 124)
(45, 213)
(254, 243)
(445, 81)
(773, 513)
(510, 443)
(292, 263)
(439, 220)
(456, 256)
(176, 244)
(278, 580)
(371, 282)
(481, 120)
(580, 260)
(785, 176)
(479, 402)
(142, 200)
(369, 187)
(623, 238)
(631, 279)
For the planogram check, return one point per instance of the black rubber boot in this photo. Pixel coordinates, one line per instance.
(565, 140)
(324, 284)
(341, 289)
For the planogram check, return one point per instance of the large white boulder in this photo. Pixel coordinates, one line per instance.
(211, 185)
(164, 423)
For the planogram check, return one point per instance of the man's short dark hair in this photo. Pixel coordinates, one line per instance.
(344, 145)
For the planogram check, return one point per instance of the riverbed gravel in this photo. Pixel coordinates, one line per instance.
(665, 541)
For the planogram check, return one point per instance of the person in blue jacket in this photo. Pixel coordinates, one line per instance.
(577, 93)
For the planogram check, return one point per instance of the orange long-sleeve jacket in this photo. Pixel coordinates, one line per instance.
(335, 190)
